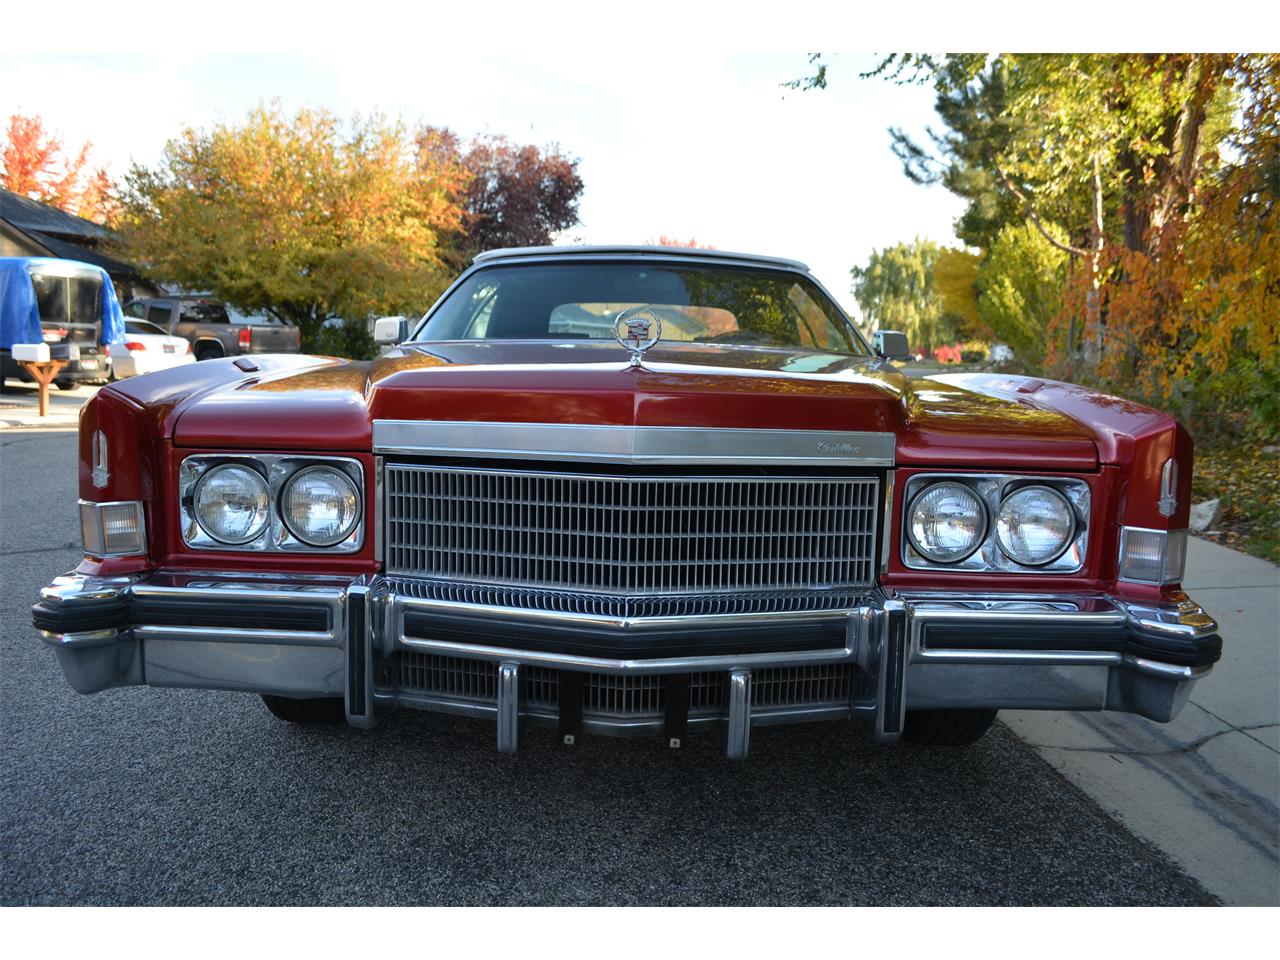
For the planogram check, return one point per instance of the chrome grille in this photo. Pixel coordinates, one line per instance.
(789, 686)
(455, 677)
(609, 605)
(610, 695)
(631, 536)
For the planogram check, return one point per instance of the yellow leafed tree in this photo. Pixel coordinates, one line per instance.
(304, 216)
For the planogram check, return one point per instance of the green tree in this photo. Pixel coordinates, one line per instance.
(1020, 289)
(304, 217)
(1096, 142)
(955, 278)
(895, 291)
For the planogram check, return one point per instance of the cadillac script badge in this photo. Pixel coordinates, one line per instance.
(637, 329)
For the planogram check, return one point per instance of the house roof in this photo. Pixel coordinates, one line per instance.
(75, 251)
(62, 234)
(30, 215)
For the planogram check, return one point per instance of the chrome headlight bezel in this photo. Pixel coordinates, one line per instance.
(278, 469)
(992, 489)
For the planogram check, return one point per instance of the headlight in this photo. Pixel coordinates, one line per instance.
(947, 522)
(320, 506)
(1034, 525)
(231, 503)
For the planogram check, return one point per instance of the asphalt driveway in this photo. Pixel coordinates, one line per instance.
(144, 796)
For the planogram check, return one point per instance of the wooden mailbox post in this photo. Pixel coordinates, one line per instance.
(34, 358)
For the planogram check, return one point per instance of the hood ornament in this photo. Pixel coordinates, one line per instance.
(637, 329)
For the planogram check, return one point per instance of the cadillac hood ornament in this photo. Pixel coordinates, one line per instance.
(637, 329)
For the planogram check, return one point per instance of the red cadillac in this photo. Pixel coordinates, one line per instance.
(632, 491)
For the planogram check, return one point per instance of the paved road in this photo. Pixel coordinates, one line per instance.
(144, 796)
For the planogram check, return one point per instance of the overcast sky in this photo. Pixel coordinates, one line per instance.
(707, 146)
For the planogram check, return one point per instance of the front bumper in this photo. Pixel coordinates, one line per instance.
(381, 643)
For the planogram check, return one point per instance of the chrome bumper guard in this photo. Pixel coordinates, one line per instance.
(308, 637)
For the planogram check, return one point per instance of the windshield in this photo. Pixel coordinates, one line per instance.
(698, 303)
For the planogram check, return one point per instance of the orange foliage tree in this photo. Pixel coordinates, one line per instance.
(1191, 304)
(302, 216)
(35, 164)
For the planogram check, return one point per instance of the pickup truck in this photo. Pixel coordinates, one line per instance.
(214, 329)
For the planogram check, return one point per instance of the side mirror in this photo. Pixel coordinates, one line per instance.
(390, 330)
(892, 345)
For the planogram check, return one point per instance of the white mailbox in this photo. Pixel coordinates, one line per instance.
(30, 352)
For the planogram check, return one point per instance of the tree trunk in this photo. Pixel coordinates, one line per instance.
(1093, 317)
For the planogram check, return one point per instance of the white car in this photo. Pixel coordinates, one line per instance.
(147, 348)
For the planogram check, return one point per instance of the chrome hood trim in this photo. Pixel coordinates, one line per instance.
(633, 444)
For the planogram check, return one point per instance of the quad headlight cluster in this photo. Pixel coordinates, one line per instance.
(272, 502)
(996, 522)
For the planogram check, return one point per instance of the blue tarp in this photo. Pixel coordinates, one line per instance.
(19, 315)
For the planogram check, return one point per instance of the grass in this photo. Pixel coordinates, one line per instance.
(1247, 481)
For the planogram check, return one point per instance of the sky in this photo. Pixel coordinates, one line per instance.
(688, 144)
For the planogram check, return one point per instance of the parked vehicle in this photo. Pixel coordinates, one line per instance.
(147, 348)
(632, 490)
(215, 330)
(67, 304)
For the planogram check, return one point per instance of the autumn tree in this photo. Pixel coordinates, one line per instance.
(1193, 313)
(304, 217)
(35, 163)
(514, 195)
(1154, 178)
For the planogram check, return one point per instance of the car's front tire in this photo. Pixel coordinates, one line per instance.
(324, 710)
(946, 728)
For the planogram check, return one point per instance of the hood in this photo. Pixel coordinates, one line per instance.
(331, 405)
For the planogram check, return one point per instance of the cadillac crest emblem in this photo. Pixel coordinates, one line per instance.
(637, 329)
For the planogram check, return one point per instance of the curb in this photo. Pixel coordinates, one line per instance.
(40, 422)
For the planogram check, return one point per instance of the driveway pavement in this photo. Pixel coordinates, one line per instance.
(150, 796)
